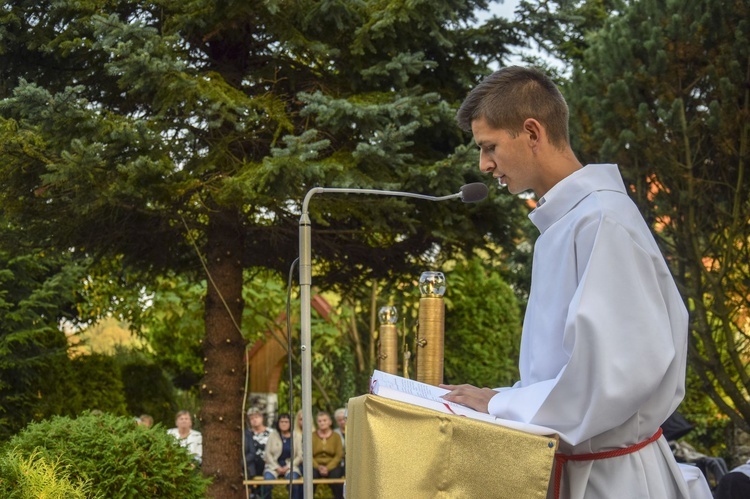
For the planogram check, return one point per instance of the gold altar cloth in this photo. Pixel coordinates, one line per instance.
(396, 450)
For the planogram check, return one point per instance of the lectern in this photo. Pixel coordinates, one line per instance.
(400, 450)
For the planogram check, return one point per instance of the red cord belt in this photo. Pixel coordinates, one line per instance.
(561, 459)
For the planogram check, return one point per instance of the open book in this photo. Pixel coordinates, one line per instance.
(428, 396)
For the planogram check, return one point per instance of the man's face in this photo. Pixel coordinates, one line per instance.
(507, 158)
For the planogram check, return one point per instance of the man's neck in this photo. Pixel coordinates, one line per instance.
(557, 165)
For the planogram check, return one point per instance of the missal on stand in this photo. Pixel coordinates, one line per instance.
(424, 395)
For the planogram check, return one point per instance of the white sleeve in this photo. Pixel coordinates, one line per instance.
(619, 343)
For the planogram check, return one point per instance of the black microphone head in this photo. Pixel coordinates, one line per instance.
(473, 193)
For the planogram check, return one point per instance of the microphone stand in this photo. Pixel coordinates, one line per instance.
(474, 192)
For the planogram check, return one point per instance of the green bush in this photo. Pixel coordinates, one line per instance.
(118, 458)
(98, 385)
(482, 327)
(34, 477)
(70, 386)
(147, 388)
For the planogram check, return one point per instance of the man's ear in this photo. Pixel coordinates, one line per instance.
(534, 131)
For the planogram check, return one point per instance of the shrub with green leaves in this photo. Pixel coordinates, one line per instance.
(118, 458)
(34, 477)
(482, 327)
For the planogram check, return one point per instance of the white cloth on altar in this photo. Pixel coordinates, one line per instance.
(604, 345)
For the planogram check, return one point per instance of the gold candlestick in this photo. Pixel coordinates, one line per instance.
(430, 333)
(388, 340)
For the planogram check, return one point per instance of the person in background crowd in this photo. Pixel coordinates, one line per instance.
(283, 458)
(146, 420)
(298, 431)
(255, 439)
(735, 484)
(188, 437)
(298, 422)
(327, 453)
(340, 416)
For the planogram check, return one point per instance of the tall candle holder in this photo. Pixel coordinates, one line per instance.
(388, 339)
(431, 330)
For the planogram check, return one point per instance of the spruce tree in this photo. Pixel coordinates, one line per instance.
(183, 135)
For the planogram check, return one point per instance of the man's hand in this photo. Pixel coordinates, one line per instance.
(470, 396)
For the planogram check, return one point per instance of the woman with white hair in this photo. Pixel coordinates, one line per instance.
(256, 437)
(186, 436)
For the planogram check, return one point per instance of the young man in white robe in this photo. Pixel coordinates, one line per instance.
(604, 342)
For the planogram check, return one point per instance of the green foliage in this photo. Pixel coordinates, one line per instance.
(136, 144)
(662, 91)
(37, 292)
(347, 378)
(173, 325)
(110, 292)
(173, 321)
(482, 327)
(712, 429)
(87, 382)
(96, 385)
(35, 477)
(104, 336)
(331, 357)
(563, 28)
(146, 387)
(117, 458)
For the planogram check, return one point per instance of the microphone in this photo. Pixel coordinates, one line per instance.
(469, 193)
(473, 193)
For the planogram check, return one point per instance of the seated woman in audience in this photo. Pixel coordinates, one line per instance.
(328, 450)
(282, 458)
(186, 436)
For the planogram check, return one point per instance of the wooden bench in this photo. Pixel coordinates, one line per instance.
(296, 481)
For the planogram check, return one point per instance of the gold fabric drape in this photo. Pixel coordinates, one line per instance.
(402, 451)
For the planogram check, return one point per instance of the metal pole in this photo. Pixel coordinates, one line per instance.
(305, 281)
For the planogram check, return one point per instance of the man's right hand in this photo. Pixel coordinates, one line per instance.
(470, 396)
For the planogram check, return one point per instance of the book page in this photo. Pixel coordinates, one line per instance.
(381, 379)
(421, 394)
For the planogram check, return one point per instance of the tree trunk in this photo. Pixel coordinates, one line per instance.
(224, 348)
